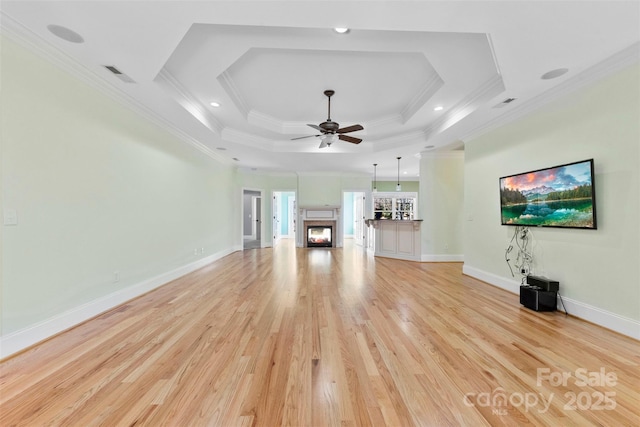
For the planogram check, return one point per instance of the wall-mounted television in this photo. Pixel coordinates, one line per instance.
(558, 196)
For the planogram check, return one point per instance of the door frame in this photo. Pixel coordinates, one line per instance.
(276, 213)
(359, 223)
(260, 196)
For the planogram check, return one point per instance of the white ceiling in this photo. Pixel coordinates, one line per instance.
(267, 63)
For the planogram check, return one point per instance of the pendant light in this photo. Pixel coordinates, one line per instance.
(375, 187)
(398, 187)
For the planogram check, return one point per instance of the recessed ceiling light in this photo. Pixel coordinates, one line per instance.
(554, 73)
(341, 30)
(438, 108)
(214, 104)
(65, 34)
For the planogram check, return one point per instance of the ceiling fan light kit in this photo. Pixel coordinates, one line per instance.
(330, 131)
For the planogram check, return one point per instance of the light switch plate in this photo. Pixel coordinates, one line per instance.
(10, 217)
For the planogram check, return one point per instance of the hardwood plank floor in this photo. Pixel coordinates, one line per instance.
(325, 337)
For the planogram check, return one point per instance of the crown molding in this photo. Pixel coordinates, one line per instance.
(486, 91)
(604, 68)
(188, 101)
(30, 41)
(265, 172)
(265, 121)
(383, 122)
(442, 155)
(425, 93)
(392, 142)
(334, 174)
(466, 106)
(230, 87)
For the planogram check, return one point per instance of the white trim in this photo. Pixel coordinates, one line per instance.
(398, 256)
(189, 102)
(441, 154)
(19, 340)
(604, 68)
(510, 285)
(29, 40)
(590, 313)
(604, 318)
(441, 258)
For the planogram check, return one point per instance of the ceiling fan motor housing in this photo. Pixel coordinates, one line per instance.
(330, 126)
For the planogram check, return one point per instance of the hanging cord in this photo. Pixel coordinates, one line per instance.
(566, 313)
(524, 259)
(509, 249)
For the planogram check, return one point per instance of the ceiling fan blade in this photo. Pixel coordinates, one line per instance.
(350, 139)
(348, 129)
(302, 137)
(316, 127)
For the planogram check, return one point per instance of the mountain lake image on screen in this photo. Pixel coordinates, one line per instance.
(558, 196)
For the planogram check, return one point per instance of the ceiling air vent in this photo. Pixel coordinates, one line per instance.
(119, 74)
(504, 103)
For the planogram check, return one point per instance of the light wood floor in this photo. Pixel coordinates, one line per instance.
(325, 337)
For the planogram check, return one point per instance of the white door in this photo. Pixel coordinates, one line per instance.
(292, 217)
(257, 215)
(275, 210)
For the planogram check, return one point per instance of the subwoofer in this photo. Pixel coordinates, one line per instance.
(543, 283)
(538, 299)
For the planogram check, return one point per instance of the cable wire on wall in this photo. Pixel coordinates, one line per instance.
(521, 240)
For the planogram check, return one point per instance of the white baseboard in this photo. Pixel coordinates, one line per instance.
(441, 258)
(26, 337)
(604, 318)
(398, 256)
(510, 285)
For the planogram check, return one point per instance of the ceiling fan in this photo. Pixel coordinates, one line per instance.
(330, 131)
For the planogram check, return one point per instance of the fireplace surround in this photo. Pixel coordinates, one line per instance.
(320, 218)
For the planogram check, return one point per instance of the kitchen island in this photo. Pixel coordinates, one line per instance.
(394, 238)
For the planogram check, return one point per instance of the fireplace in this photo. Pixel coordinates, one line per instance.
(320, 227)
(319, 236)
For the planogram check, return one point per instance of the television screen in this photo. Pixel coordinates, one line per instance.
(559, 196)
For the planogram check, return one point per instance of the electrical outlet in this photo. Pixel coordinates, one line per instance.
(116, 276)
(202, 251)
(195, 251)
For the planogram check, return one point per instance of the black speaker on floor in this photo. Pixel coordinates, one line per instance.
(543, 283)
(537, 299)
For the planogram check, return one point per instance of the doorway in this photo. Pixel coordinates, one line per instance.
(284, 215)
(251, 219)
(354, 211)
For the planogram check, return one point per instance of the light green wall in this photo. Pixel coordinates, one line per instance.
(602, 121)
(98, 189)
(319, 190)
(440, 205)
(356, 183)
